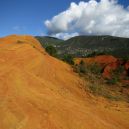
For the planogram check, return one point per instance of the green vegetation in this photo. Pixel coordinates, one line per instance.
(96, 42)
(126, 58)
(92, 68)
(68, 58)
(114, 80)
(85, 46)
(95, 69)
(82, 67)
(51, 50)
(115, 76)
(97, 85)
(94, 53)
(48, 41)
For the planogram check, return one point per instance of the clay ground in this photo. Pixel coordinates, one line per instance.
(40, 92)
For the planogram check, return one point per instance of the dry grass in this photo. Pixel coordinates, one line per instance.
(109, 88)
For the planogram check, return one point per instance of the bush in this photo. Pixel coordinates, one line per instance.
(82, 67)
(115, 75)
(119, 70)
(96, 53)
(69, 59)
(126, 58)
(95, 68)
(90, 68)
(112, 81)
(19, 41)
(82, 62)
(96, 89)
(51, 50)
(97, 85)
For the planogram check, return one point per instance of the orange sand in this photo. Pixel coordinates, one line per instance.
(40, 92)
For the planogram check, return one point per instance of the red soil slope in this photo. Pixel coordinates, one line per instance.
(102, 60)
(108, 64)
(40, 92)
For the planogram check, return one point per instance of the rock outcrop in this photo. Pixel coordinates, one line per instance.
(108, 63)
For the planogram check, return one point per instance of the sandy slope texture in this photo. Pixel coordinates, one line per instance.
(40, 92)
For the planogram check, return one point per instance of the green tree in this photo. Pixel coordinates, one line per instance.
(51, 50)
(82, 67)
(68, 58)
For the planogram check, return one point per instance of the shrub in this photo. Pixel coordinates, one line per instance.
(96, 89)
(51, 50)
(115, 75)
(119, 70)
(68, 58)
(96, 53)
(126, 58)
(112, 81)
(95, 68)
(82, 62)
(89, 68)
(82, 67)
(20, 41)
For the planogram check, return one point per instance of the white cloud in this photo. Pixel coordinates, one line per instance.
(65, 36)
(106, 17)
(42, 34)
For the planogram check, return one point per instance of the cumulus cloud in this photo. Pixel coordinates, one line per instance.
(65, 36)
(106, 17)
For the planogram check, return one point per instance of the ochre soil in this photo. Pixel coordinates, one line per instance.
(40, 92)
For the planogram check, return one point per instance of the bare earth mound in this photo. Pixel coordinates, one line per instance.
(40, 92)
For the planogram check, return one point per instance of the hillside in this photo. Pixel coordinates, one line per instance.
(46, 41)
(38, 91)
(82, 46)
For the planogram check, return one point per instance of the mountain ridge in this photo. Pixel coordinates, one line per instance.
(82, 46)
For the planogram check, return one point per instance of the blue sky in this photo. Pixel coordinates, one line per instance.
(28, 16)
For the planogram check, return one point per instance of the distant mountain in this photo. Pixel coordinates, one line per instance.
(82, 46)
(46, 40)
